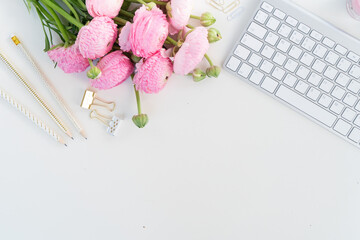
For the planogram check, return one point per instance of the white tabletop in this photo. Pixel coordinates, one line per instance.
(218, 160)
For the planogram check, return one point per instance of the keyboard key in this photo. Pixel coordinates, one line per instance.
(284, 30)
(353, 57)
(292, 21)
(342, 127)
(261, 17)
(338, 92)
(314, 79)
(278, 73)
(267, 52)
(302, 87)
(291, 65)
(273, 23)
(349, 114)
(332, 57)
(319, 66)
(283, 45)
(267, 7)
(308, 44)
(242, 52)
(266, 66)
(245, 70)
(279, 14)
(251, 42)
(257, 30)
(271, 38)
(303, 28)
(326, 86)
(340, 49)
(279, 58)
(303, 72)
(307, 59)
(350, 99)
(296, 37)
(233, 63)
(342, 79)
(315, 35)
(354, 86)
(355, 135)
(320, 51)
(331, 72)
(337, 107)
(295, 52)
(355, 71)
(290, 80)
(328, 42)
(306, 106)
(357, 121)
(313, 94)
(344, 64)
(256, 77)
(255, 59)
(269, 85)
(325, 100)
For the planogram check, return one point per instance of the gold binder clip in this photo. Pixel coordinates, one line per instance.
(113, 123)
(90, 100)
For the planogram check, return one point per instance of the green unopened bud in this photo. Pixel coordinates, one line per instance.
(213, 71)
(198, 75)
(207, 19)
(94, 73)
(214, 35)
(140, 120)
(135, 58)
(168, 9)
(151, 5)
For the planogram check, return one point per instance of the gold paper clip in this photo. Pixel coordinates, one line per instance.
(113, 123)
(90, 100)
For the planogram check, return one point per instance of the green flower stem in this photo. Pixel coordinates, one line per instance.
(120, 20)
(126, 13)
(148, 1)
(172, 41)
(62, 12)
(91, 63)
(190, 26)
(195, 17)
(209, 60)
(44, 11)
(82, 4)
(72, 9)
(61, 27)
(137, 94)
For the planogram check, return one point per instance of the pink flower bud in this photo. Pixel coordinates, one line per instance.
(104, 8)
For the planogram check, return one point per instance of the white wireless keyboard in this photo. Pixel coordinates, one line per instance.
(304, 62)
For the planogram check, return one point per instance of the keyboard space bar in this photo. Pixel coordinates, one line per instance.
(306, 106)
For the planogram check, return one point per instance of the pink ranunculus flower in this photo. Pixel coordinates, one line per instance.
(153, 73)
(97, 38)
(180, 14)
(69, 59)
(104, 8)
(192, 51)
(147, 34)
(115, 69)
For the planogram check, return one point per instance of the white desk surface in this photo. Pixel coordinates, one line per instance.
(218, 160)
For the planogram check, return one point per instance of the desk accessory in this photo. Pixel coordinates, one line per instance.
(91, 32)
(34, 93)
(31, 116)
(90, 101)
(225, 6)
(50, 87)
(113, 124)
(304, 62)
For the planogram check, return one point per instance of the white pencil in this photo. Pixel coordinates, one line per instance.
(50, 87)
(31, 116)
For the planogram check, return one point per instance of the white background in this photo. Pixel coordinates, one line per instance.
(218, 160)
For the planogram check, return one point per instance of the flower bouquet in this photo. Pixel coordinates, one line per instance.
(145, 40)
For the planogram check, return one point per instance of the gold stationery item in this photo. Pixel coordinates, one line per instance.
(113, 123)
(90, 101)
(13, 102)
(34, 93)
(50, 87)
